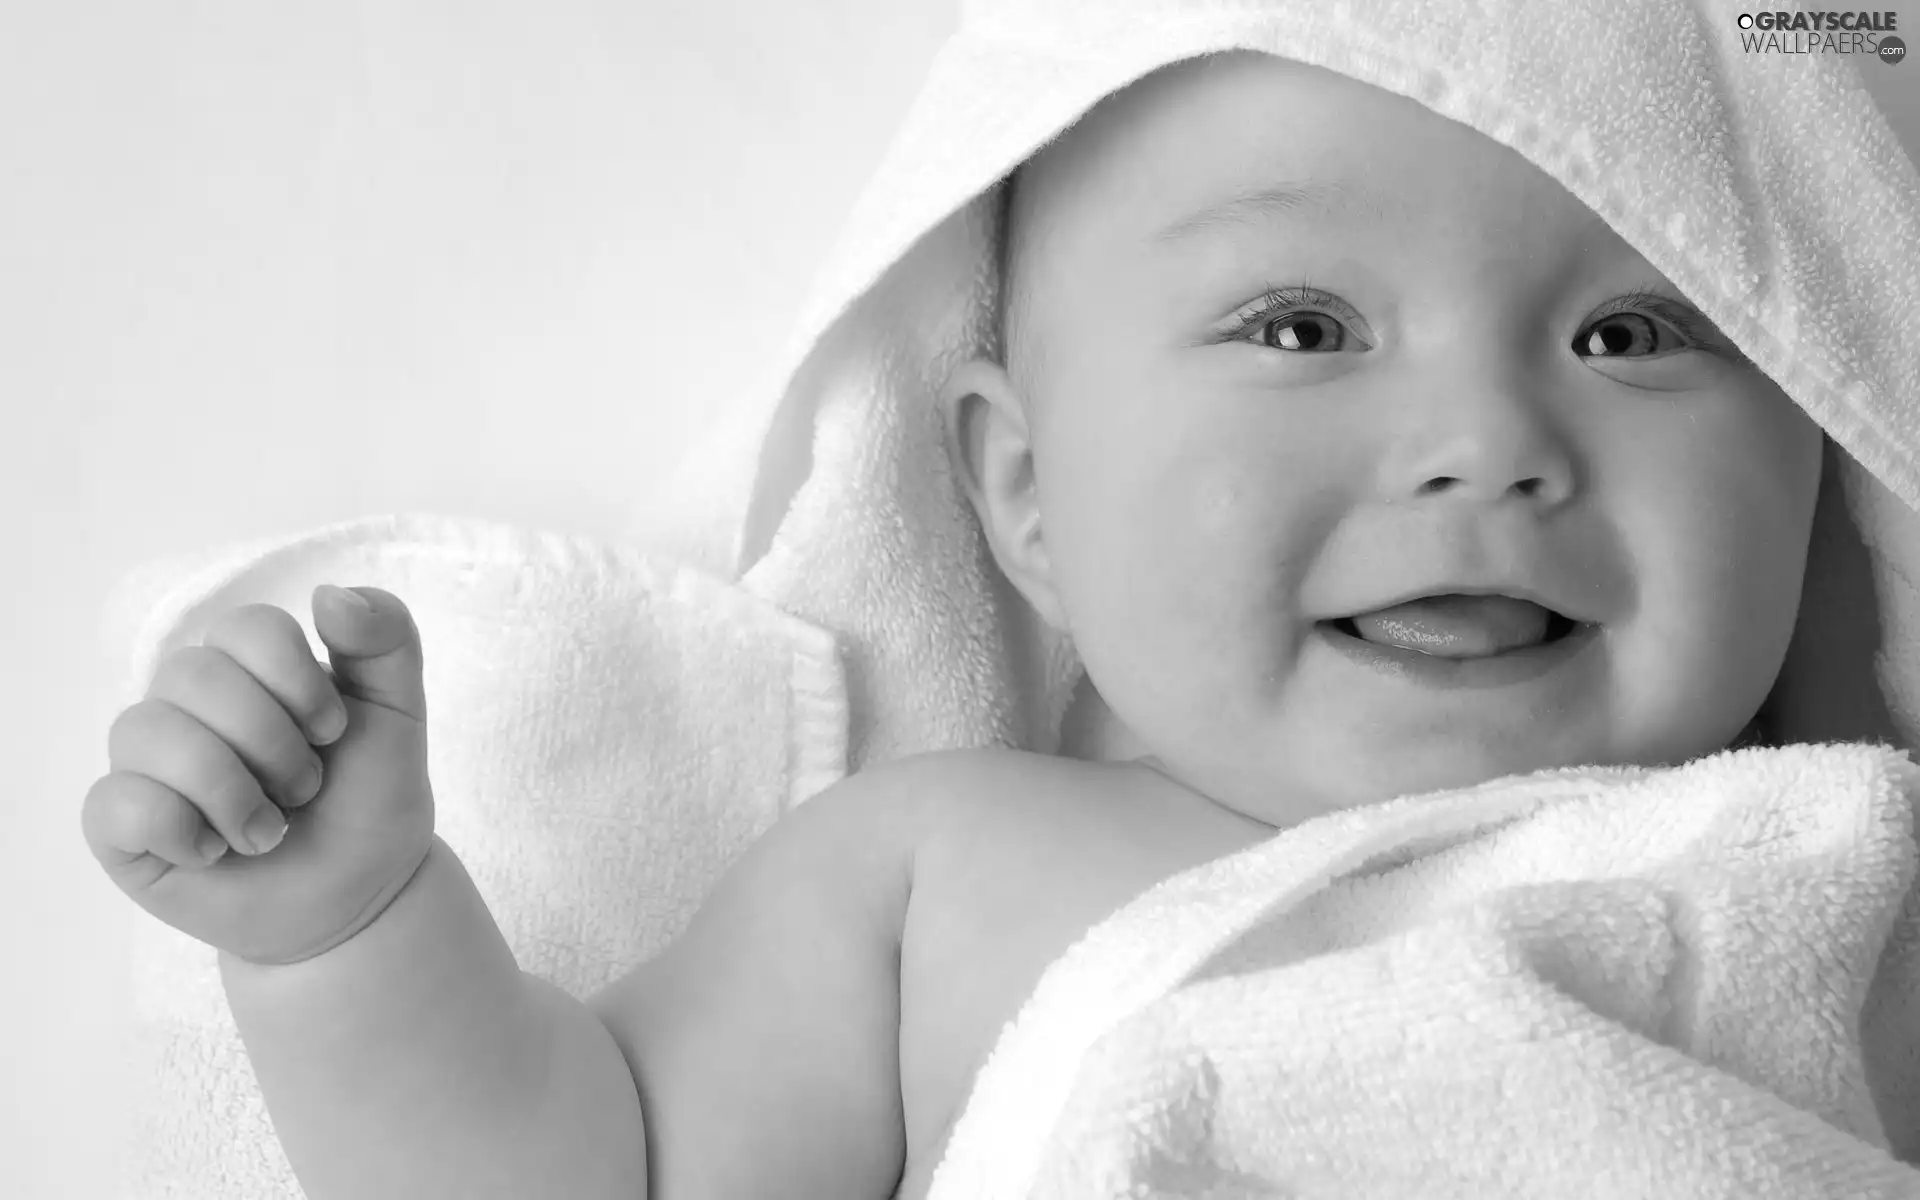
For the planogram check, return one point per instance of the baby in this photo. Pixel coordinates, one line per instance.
(1356, 457)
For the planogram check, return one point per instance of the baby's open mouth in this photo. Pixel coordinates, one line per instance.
(1459, 626)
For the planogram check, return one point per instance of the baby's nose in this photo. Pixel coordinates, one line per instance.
(1532, 487)
(1491, 451)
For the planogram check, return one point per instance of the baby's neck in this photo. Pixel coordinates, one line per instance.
(1091, 732)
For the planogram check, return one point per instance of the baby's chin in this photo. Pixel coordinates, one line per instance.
(1329, 765)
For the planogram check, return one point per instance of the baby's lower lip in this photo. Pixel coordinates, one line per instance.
(1489, 670)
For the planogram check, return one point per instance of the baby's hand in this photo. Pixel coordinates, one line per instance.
(219, 815)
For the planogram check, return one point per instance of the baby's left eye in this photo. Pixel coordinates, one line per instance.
(1628, 335)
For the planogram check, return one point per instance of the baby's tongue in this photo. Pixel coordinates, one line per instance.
(1456, 626)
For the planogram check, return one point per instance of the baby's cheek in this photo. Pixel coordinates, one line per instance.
(1715, 610)
(1217, 505)
(1235, 553)
(1218, 538)
(1199, 545)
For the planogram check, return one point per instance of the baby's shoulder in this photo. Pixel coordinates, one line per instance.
(878, 823)
(999, 833)
(964, 794)
(966, 772)
(1039, 826)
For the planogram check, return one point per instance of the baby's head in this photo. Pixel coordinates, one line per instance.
(1302, 379)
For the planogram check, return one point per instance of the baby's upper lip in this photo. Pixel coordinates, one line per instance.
(1567, 606)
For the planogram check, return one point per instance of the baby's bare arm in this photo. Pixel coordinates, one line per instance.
(401, 1050)
(766, 1039)
(417, 1060)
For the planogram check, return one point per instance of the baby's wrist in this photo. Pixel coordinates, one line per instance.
(396, 903)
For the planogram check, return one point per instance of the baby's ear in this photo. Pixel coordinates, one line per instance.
(992, 455)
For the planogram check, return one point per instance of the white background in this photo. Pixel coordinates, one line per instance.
(267, 266)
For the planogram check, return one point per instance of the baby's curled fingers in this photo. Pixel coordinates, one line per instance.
(170, 747)
(270, 644)
(222, 695)
(127, 816)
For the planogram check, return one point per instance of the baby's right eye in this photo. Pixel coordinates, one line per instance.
(1304, 331)
(1291, 319)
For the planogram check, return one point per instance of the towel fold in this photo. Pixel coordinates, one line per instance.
(1622, 983)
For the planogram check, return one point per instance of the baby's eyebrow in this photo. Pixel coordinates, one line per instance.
(1323, 198)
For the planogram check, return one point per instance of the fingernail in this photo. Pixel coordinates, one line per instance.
(264, 829)
(349, 598)
(210, 846)
(309, 785)
(331, 723)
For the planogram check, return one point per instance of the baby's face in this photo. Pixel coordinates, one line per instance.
(1366, 460)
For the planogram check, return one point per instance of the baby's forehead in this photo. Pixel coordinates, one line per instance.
(1262, 145)
(1228, 121)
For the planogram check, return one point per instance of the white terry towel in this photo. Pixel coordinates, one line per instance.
(1622, 983)
(819, 539)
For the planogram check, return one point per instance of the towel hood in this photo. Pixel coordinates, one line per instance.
(1779, 202)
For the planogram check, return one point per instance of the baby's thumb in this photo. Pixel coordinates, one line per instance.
(373, 645)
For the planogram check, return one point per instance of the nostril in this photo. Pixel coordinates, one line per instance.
(1530, 488)
(1438, 483)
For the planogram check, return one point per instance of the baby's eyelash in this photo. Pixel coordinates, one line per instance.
(1688, 323)
(1275, 300)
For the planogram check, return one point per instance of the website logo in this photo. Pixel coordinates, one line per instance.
(1871, 33)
